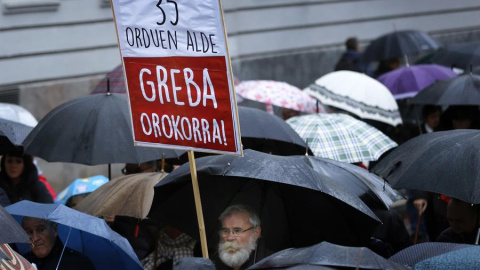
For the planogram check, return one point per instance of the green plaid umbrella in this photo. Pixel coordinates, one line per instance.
(341, 137)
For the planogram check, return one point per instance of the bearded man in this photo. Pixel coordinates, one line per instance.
(238, 238)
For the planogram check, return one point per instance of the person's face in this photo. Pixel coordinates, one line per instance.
(461, 218)
(13, 166)
(42, 236)
(239, 221)
(433, 119)
(138, 168)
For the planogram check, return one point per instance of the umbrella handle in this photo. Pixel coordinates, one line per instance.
(417, 229)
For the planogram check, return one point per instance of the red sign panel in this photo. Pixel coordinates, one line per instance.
(182, 101)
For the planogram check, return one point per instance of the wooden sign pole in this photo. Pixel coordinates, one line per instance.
(198, 203)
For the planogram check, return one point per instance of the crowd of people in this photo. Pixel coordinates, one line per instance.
(432, 217)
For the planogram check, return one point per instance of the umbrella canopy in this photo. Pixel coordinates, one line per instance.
(90, 130)
(444, 162)
(327, 254)
(17, 114)
(461, 90)
(406, 82)
(341, 137)
(86, 234)
(266, 133)
(80, 186)
(11, 232)
(12, 135)
(129, 195)
(298, 206)
(399, 44)
(10, 259)
(462, 55)
(356, 93)
(280, 94)
(464, 259)
(412, 255)
(370, 188)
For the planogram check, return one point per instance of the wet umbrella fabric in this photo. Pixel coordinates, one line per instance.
(406, 82)
(80, 186)
(128, 195)
(327, 254)
(462, 259)
(11, 232)
(17, 114)
(461, 90)
(445, 162)
(297, 205)
(399, 44)
(12, 135)
(90, 130)
(414, 254)
(358, 94)
(370, 188)
(86, 234)
(341, 137)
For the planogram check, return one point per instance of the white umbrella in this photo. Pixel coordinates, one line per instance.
(356, 93)
(17, 114)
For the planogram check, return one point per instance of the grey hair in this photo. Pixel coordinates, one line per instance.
(240, 208)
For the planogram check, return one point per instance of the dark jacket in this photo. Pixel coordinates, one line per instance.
(30, 188)
(450, 236)
(71, 260)
(350, 60)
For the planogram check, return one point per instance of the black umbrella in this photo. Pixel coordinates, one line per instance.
(461, 90)
(399, 44)
(12, 135)
(90, 130)
(266, 133)
(462, 55)
(298, 206)
(446, 162)
(327, 254)
(371, 189)
(11, 231)
(417, 253)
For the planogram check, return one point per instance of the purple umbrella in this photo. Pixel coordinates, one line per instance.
(406, 82)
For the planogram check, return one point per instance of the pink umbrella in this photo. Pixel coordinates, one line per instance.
(280, 94)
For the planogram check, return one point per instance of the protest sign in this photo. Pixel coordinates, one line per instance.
(178, 74)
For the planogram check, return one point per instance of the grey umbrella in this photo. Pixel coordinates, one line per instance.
(330, 255)
(12, 135)
(90, 130)
(11, 231)
(444, 162)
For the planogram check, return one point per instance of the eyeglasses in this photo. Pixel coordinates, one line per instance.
(224, 232)
(134, 170)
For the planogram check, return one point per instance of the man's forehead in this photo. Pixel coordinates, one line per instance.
(237, 218)
(34, 222)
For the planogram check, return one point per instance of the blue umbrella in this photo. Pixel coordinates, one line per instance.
(80, 186)
(86, 234)
(462, 259)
